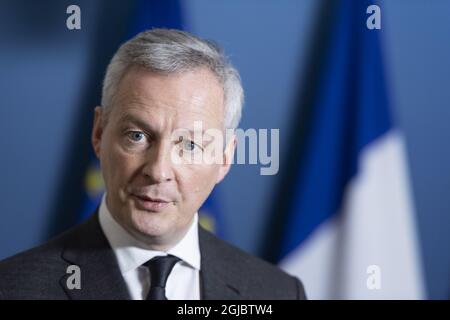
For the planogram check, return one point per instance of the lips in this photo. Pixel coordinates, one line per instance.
(147, 203)
(147, 198)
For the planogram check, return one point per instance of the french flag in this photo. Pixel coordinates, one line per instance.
(350, 232)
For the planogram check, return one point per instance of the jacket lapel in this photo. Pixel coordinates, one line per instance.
(218, 274)
(89, 249)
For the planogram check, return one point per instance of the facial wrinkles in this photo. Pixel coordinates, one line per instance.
(175, 97)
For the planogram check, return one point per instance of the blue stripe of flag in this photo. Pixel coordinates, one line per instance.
(349, 111)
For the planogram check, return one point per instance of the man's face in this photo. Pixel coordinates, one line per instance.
(150, 195)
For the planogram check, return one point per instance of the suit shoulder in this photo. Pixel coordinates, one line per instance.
(238, 256)
(48, 251)
(33, 256)
(260, 274)
(38, 267)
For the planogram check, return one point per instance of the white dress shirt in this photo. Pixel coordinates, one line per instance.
(183, 282)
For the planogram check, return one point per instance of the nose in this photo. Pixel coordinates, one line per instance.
(158, 167)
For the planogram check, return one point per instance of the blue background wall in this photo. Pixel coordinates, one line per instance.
(44, 69)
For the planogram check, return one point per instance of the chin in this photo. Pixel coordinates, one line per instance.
(152, 225)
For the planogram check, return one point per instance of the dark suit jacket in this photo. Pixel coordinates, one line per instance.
(226, 272)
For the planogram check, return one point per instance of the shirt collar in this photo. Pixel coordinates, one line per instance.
(132, 253)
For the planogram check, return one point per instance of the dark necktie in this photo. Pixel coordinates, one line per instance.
(160, 268)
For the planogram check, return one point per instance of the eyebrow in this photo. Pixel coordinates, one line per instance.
(136, 120)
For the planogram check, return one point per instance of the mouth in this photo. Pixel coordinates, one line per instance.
(147, 203)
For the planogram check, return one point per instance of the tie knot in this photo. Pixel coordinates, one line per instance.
(160, 268)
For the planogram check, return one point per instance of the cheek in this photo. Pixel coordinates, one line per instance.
(198, 181)
(118, 167)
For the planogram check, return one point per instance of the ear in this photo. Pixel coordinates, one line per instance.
(97, 131)
(228, 156)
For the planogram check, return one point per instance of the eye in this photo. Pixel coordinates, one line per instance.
(136, 136)
(189, 145)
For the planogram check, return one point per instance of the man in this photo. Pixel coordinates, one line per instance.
(144, 241)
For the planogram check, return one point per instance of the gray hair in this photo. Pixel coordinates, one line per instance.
(173, 51)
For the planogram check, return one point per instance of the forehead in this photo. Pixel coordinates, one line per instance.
(170, 99)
